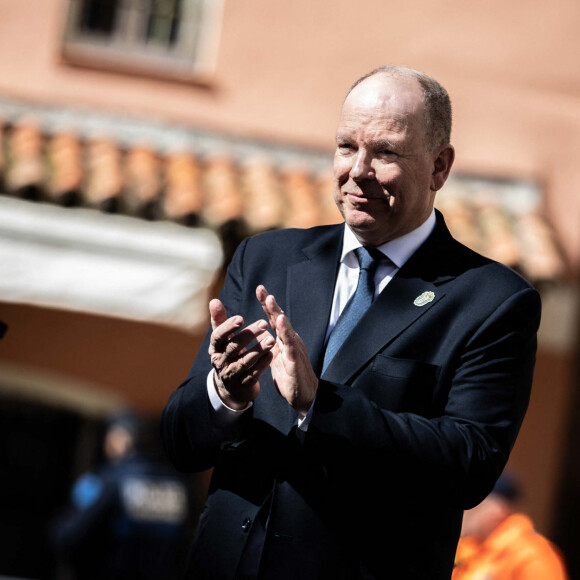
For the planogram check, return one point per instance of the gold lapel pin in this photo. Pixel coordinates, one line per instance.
(424, 298)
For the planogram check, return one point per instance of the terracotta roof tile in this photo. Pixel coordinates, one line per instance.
(302, 207)
(2, 155)
(503, 221)
(142, 179)
(104, 175)
(329, 213)
(26, 171)
(263, 203)
(65, 169)
(222, 195)
(238, 195)
(499, 241)
(183, 199)
(538, 254)
(459, 217)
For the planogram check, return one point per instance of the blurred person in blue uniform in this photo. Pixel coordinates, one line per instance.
(129, 519)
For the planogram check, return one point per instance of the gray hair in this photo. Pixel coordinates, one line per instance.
(437, 103)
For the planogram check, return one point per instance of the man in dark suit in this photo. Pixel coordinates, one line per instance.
(386, 393)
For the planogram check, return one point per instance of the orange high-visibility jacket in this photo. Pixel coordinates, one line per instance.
(513, 551)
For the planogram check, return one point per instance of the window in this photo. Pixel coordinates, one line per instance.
(170, 38)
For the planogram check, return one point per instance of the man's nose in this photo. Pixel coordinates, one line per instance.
(362, 167)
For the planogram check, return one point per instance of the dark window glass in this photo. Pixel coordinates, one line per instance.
(99, 16)
(163, 24)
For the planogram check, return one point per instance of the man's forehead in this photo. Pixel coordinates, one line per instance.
(375, 127)
(375, 111)
(383, 103)
(400, 94)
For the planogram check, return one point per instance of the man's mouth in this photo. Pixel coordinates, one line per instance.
(355, 197)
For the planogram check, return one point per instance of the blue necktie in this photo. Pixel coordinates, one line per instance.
(368, 259)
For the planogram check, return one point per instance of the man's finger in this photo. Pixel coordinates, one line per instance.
(249, 358)
(258, 368)
(224, 331)
(258, 331)
(217, 313)
(286, 333)
(228, 352)
(269, 305)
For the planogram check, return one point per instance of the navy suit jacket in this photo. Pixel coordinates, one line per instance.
(413, 421)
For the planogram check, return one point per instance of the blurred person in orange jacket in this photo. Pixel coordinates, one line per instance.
(499, 543)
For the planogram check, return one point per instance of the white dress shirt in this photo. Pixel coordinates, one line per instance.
(398, 251)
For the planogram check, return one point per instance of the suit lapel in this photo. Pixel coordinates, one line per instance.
(397, 307)
(391, 313)
(310, 290)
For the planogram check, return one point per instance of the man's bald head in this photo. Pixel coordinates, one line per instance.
(437, 103)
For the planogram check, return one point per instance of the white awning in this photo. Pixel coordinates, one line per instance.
(84, 260)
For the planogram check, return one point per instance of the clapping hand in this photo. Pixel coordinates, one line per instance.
(238, 368)
(291, 369)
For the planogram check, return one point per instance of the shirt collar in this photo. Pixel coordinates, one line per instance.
(398, 250)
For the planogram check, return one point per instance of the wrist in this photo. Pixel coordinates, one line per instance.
(226, 396)
(306, 405)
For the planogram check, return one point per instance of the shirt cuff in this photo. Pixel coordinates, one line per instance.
(224, 414)
(303, 422)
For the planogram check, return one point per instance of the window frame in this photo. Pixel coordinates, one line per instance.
(192, 58)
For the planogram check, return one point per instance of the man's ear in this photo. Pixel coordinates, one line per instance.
(442, 163)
